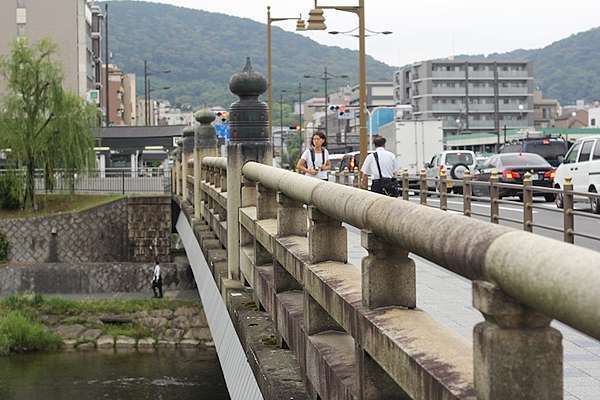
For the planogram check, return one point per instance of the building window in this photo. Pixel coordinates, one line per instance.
(20, 30)
(21, 15)
(449, 68)
(593, 122)
(21, 4)
(506, 101)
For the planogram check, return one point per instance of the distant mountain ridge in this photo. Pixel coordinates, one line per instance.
(567, 70)
(203, 49)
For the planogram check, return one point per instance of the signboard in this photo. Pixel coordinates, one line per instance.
(347, 114)
(93, 96)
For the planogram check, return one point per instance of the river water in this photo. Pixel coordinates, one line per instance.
(164, 375)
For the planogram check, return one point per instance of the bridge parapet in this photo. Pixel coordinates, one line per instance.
(293, 253)
(358, 332)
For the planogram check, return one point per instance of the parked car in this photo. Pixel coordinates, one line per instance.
(351, 161)
(511, 168)
(336, 160)
(582, 164)
(454, 162)
(552, 149)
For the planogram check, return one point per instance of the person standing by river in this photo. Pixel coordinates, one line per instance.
(157, 281)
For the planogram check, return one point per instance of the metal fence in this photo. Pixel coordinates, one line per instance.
(444, 188)
(110, 180)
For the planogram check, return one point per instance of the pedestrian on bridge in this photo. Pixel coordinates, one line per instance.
(381, 165)
(157, 281)
(315, 161)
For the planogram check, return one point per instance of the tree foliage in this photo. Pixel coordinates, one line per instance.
(44, 125)
(203, 49)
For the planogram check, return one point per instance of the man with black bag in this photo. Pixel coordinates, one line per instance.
(381, 165)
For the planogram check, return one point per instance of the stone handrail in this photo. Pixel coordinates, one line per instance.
(558, 279)
(215, 162)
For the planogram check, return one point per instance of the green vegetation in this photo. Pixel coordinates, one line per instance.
(44, 125)
(202, 55)
(38, 304)
(566, 70)
(59, 203)
(19, 333)
(293, 147)
(136, 331)
(4, 248)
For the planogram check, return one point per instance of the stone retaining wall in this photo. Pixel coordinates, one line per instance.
(133, 229)
(97, 234)
(86, 278)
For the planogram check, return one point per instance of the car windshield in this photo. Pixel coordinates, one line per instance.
(550, 151)
(524, 160)
(458, 158)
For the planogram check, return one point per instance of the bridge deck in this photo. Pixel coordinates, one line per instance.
(447, 299)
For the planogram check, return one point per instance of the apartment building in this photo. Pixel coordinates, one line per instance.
(121, 97)
(75, 25)
(468, 96)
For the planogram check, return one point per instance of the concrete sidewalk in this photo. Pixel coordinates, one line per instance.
(447, 298)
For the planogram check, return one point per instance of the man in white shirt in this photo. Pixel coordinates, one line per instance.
(381, 165)
(157, 281)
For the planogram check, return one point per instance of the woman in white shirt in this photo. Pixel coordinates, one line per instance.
(315, 161)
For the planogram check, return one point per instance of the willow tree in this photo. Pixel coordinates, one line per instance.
(44, 125)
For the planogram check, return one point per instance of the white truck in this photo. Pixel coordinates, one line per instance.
(414, 142)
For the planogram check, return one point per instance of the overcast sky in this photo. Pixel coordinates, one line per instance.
(425, 29)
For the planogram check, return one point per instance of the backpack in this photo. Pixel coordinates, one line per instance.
(312, 157)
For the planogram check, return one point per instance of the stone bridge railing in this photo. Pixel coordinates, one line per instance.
(357, 331)
(361, 328)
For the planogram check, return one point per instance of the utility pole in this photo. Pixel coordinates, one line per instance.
(107, 62)
(146, 92)
(325, 79)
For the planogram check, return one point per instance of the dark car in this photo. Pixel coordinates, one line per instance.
(552, 149)
(511, 168)
(351, 161)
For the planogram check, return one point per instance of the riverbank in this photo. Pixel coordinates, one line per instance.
(121, 324)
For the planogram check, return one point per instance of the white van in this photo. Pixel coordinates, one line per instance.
(454, 162)
(582, 164)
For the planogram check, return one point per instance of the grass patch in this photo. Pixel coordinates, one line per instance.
(60, 203)
(18, 333)
(132, 330)
(58, 306)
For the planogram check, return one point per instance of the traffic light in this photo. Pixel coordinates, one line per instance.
(340, 110)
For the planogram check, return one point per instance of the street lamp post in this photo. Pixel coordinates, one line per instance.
(326, 77)
(317, 22)
(299, 27)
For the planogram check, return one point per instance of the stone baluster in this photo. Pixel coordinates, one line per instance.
(388, 274)
(516, 354)
(205, 145)
(266, 202)
(188, 149)
(327, 238)
(250, 141)
(291, 217)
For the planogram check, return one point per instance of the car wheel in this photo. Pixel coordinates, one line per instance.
(549, 197)
(595, 202)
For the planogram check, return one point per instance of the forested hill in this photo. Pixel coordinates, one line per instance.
(204, 49)
(567, 70)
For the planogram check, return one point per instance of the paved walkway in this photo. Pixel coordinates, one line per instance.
(447, 298)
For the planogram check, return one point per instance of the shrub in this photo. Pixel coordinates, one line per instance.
(4, 248)
(20, 334)
(11, 190)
